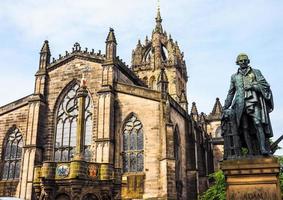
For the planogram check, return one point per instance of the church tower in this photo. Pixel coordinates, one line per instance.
(158, 53)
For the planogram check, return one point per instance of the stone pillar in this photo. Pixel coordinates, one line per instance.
(167, 160)
(82, 94)
(104, 141)
(252, 178)
(32, 147)
(78, 165)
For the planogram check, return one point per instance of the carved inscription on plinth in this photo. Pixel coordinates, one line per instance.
(252, 178)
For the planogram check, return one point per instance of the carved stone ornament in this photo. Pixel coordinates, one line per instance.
(92, 171)
(62, 170)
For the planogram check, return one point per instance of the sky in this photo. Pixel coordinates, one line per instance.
(211, 33)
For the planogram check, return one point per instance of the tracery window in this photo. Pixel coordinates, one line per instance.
(12, 155)
(133, 159)
(66, 126)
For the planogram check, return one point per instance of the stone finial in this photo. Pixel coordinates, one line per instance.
(77, 47)
(139, 43)
(146, 40)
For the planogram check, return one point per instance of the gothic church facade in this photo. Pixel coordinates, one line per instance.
(96, 129)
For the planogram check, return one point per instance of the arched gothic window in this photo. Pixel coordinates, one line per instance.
(164, 53)
(148, 55)
(218, 132)
(66, 126)
(133, 145)
(12, 155)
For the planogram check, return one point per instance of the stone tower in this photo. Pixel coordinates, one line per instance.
(160, 52)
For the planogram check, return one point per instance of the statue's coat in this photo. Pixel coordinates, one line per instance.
(264, 94)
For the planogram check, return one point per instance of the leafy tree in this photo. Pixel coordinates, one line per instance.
(218, 190)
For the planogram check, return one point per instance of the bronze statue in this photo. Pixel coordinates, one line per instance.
(251, 106)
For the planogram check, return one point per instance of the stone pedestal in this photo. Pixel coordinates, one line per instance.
(252, 178)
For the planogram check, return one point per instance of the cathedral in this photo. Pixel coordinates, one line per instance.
(97, 129)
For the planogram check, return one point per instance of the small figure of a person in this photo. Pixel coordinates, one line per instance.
(251, 99)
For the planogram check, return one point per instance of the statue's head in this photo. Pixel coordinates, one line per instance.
(242, 59)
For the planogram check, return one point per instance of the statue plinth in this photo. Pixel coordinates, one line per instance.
(252, 178)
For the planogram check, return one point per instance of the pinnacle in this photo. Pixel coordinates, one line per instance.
(45, 47)
(217, 108)
(158, 16)
(162, 76)
(183, 97)
(111, 36)
(194, 109)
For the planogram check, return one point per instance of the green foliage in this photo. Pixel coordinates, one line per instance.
(244, 151)
(218, 190)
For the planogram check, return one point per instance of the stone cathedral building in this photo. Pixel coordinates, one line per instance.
(96, 129)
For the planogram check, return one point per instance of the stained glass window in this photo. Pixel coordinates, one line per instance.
(12, 155)
(133, 145)
(67, 125)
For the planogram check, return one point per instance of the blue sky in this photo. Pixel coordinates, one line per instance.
(210, 32)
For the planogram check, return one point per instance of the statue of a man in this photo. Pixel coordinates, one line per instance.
(252, 104)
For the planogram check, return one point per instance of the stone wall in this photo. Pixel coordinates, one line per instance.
(60, 80)
(16, 115)
(147, 111)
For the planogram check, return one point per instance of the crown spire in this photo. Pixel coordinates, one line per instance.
(158, 20)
